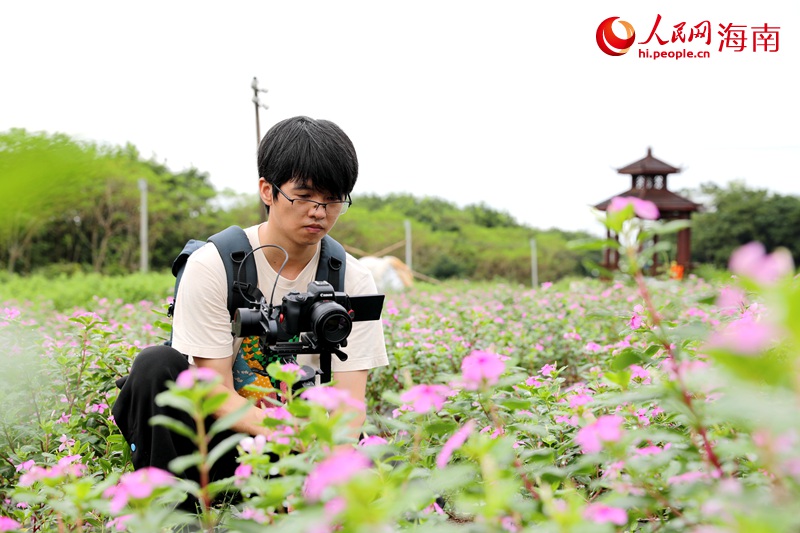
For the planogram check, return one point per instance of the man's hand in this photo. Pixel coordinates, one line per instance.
(250, 423)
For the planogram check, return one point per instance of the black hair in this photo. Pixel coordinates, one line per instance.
(307, 149)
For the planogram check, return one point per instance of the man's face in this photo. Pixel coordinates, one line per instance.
(295, 210)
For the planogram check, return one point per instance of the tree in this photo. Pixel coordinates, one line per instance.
(738, 215)
(41, 175)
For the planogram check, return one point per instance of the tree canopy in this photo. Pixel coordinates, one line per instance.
(737, 215)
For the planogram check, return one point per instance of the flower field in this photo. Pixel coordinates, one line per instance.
(636, 404)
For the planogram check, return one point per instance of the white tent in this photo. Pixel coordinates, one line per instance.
(390, 273)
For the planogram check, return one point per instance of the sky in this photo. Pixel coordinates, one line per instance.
(509, 103)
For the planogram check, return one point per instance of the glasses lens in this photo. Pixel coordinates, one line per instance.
(334, 208)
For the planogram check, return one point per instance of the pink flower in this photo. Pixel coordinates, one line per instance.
(335, 470)
(635, 322)
(638, 372)
(481, 368)
(533, 382)
(592, 347)
(745, 336)
(508, 524)
(642, 208)
(424, 398)
(576, 400)
(650, 450)
(372, 440)
(277, 413)
(290, 367)
(256, 515)
(752, 261)
(547, 370)
(8, 524)
(11, 313)
(254, 445)
(281, 435)
(331, 398)
(66, 442)
(601, 514)
(688, 477)
(730, 297)
(98, 408)
(25, 466)
(137, 485)
(434, 508)
(241, 474)
(66, 466)
(564, 419)
(192, 375)
(119, 523)
(607, 428)
(454, 442)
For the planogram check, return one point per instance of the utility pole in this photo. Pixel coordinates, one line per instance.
(144, 259)
(407, 224)
(257, 103)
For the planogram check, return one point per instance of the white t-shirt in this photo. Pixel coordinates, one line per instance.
(202, 325)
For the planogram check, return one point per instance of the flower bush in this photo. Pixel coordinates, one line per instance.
(630, 404)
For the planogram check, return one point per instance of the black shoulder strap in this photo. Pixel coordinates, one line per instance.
(234, 249)
(332, 263)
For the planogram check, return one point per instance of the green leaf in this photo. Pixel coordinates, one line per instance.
(544, 455)
(673, 226)
(514, 404)
(626, 358)
(223, 447)
(768, 368)
(439, 427)
(652, 350)
(551, 474)
(593, 244)
(175, 426)
(169, 399)
(180, 464)
(227, 421)
(212, 404)
(615, 219)
(621, 378)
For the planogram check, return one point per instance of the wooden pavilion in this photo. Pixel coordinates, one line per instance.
(649, 182)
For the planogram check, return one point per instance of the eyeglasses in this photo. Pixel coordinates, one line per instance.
(338, 207)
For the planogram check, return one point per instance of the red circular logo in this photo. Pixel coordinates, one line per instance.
(609, 42)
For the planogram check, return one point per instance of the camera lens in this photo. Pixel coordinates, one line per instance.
(330, 322)
(246, 322)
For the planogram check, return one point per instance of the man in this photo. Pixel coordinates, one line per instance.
(307, 170)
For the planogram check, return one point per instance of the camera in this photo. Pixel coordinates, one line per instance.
(316, 321)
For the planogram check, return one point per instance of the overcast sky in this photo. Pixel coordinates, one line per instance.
(508, 103)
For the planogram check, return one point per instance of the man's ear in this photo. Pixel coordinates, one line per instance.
(265, 191)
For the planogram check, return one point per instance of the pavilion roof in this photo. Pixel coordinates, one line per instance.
(648, 166)
(665, 200)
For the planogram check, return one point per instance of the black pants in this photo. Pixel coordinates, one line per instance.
(135, 406)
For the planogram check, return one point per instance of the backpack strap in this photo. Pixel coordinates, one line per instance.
(178, 265)
(332, 263)
(234, 249)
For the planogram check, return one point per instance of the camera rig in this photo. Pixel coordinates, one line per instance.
(315, 322)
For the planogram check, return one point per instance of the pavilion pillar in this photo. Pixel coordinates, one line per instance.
(654, 265)
(684, 248)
